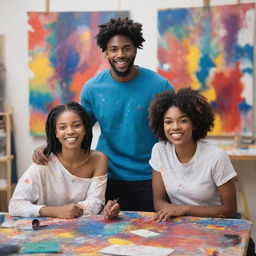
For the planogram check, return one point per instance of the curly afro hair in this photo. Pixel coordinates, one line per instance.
(120, 26)
(188, 101)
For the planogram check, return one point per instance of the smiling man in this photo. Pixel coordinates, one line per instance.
(118, 98)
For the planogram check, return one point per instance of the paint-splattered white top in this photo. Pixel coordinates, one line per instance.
(53, 185)
(194, 182)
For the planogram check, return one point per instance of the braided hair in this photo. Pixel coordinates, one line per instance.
(53, 144)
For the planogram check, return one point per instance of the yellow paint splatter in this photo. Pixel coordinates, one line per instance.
(210, 94)
(40, 66)
(217, 126)
(37, 123)
(211, 251)
(87, 254)
(215, 227)
(193, 60)
(6, 230)
(65, 235)
(86, 36)
(219, 62)
(148, 214)
(119, 241)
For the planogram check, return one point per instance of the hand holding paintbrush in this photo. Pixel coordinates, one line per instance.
(111, 209)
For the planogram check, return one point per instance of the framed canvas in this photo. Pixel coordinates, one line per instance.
(211, 50)
(63, 55)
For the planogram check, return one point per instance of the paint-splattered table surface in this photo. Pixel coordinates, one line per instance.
(134, 233)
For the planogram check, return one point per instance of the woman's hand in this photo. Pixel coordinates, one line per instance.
(111, 209)
(170, 211)
(68, 211)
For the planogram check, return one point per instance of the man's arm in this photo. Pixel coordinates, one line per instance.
(86, 101)
(39, 157)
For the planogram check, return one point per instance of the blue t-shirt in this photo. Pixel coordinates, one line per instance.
(121, 108)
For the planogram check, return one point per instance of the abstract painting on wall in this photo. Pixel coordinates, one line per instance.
(63, 55)
(211, 50)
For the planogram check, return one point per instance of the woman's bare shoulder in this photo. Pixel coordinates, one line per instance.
(95, 154)
(99, 161)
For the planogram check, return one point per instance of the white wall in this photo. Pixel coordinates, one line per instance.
(13, 24)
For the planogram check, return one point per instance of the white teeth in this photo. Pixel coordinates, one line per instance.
(120, 62)
(71, 139)
(176, 135)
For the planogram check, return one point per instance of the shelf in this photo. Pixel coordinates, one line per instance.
(5, 158)
(5, 113)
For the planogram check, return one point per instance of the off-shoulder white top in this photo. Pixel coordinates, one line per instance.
(54, 185)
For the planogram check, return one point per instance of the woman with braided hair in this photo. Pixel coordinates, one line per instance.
(74, 180)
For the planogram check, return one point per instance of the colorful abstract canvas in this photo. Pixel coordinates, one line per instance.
(211, 49)
(63, 55)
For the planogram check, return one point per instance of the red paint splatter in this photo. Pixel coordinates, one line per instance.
(229, 87)
(27, 181)
(178, 73)
(37, 37)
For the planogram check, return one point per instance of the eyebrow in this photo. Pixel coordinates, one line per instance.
(167, 117)
(75, 121)
(125, 45)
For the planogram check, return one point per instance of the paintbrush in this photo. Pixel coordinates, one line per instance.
(115, 201)
(111, 209)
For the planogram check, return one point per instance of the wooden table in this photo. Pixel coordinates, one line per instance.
(88, 235)
(241, 153)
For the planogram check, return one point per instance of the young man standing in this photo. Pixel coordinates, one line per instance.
(118, 98)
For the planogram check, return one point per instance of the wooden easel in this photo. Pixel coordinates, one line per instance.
(47, 6)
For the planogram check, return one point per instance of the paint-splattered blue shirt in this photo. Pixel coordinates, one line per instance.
(121, 108)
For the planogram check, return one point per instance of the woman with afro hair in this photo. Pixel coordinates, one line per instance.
(190, 175)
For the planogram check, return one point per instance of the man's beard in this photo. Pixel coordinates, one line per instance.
(126, 72)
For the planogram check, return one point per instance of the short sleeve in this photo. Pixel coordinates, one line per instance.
(223, 171)
(155, 158)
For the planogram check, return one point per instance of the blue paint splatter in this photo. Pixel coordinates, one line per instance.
(176, 22)
(102, 229)
(133, 215)
(244, 107)
(40, 101)
(242, 53)
(206, 64)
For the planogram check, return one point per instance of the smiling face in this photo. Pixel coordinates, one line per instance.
(70, 130)
(121, 54)
(178, 127)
